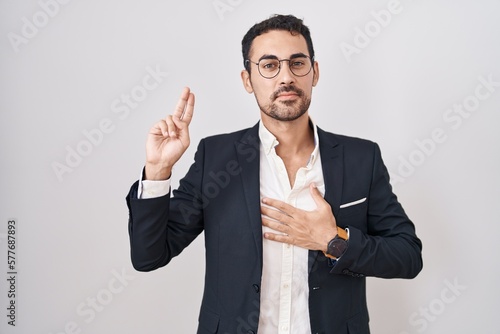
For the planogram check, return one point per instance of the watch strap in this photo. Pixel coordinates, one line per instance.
(342, 233)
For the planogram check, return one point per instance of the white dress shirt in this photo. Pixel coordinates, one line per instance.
(284, 307)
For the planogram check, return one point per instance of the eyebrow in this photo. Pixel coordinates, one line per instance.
(295, 55)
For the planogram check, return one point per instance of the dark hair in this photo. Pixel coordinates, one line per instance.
(277, 22)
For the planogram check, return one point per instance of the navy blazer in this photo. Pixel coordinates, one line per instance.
(220, 195)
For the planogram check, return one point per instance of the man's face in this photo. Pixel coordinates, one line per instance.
(286, 97)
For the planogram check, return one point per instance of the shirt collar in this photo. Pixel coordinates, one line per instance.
(269, 141)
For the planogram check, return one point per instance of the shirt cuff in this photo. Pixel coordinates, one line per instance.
(152, 189)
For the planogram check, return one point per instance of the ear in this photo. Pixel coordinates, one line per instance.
(316, 73)
(245, 78)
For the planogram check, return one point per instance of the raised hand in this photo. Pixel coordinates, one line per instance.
(169, 139)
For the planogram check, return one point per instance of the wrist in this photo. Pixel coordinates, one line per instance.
(155, 172)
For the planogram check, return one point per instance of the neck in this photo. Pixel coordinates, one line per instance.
(294, 136)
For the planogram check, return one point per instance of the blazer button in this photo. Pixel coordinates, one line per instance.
(256, 288)
(250, 332)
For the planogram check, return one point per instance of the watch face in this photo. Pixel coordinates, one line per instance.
(336, 247)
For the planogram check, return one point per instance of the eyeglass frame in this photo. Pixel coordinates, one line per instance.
(267, 57)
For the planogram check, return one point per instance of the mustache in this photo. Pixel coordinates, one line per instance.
(287, 89)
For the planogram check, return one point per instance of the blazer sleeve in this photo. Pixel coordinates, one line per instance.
(387, 246)
(160, 228)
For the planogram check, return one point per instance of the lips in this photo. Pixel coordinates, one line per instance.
(287, 93)
(287, 96)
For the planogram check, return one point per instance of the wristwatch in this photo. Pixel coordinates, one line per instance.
(337, 246)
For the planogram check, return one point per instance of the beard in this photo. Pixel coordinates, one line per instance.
(286, 111)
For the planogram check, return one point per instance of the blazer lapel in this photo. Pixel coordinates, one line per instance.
(248, 152)
(332, 160)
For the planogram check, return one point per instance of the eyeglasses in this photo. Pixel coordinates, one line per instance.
(270, 67)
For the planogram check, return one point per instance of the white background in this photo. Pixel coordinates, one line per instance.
(64, 77)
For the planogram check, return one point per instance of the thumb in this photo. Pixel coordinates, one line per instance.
(316, 194)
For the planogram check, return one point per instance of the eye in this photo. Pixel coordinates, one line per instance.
(297, 63)
(269, 65)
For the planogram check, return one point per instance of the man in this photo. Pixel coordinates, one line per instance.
(294, 217)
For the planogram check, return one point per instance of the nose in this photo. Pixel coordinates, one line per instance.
(286, 76)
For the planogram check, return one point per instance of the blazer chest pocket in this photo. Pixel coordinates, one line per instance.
(353, 207)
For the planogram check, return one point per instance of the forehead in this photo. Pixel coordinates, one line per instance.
(280, 43)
